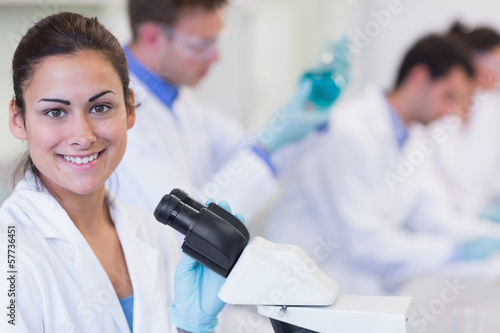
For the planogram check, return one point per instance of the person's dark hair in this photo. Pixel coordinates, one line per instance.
(62, 34)
(439, 54)
(165, 11)
(481, 39)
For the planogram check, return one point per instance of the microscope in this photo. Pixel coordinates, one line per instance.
(280, 279)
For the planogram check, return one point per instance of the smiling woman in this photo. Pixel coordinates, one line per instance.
(75, 110)
(75, 242)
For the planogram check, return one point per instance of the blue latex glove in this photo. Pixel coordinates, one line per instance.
(196, 303)
(294, 122)
(309, 109)
(479, 249)
(491, 213)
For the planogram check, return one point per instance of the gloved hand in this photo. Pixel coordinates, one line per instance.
(294, 122)
(479, 249)
(491, 213)
(196, 304)
(309, 109)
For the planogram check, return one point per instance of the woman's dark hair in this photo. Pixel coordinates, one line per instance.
(62, 34)
(439, 54)
(481, 39)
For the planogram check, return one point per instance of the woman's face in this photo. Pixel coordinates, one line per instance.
(75, 121)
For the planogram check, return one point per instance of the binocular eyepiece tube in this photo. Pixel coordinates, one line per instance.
(213, 236)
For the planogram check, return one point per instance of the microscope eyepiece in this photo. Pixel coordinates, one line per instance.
(173, 212)
(214, 237)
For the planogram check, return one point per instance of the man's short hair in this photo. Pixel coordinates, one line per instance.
(439, 54)
(165, 11)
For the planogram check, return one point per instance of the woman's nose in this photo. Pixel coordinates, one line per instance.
(81, 132)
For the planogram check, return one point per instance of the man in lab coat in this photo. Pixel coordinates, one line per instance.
(177, 141)
(360, 204)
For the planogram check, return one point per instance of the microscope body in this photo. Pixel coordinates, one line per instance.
(287, 286)
(280, 279)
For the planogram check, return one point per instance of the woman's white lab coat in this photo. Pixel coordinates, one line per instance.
(60, 284)
(360, 206)
(190, 148)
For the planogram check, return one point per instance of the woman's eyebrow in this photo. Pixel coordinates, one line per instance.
(91, 99)
(62, 101)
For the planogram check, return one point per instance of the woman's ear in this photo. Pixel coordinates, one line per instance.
(131, 110)
(16, 121)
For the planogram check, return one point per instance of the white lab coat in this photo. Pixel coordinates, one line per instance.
(62, 287)
(468, 163)
(189, 148)
(340, 205)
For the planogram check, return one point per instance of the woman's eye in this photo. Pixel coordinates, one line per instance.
(100, 109)
(56, 113)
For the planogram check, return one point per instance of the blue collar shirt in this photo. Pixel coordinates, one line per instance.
(398, 126)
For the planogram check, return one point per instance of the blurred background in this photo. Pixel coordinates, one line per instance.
(270, 43)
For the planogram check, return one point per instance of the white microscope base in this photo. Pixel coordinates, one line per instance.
(349, 314)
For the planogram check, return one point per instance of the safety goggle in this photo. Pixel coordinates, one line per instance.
(192, 47)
